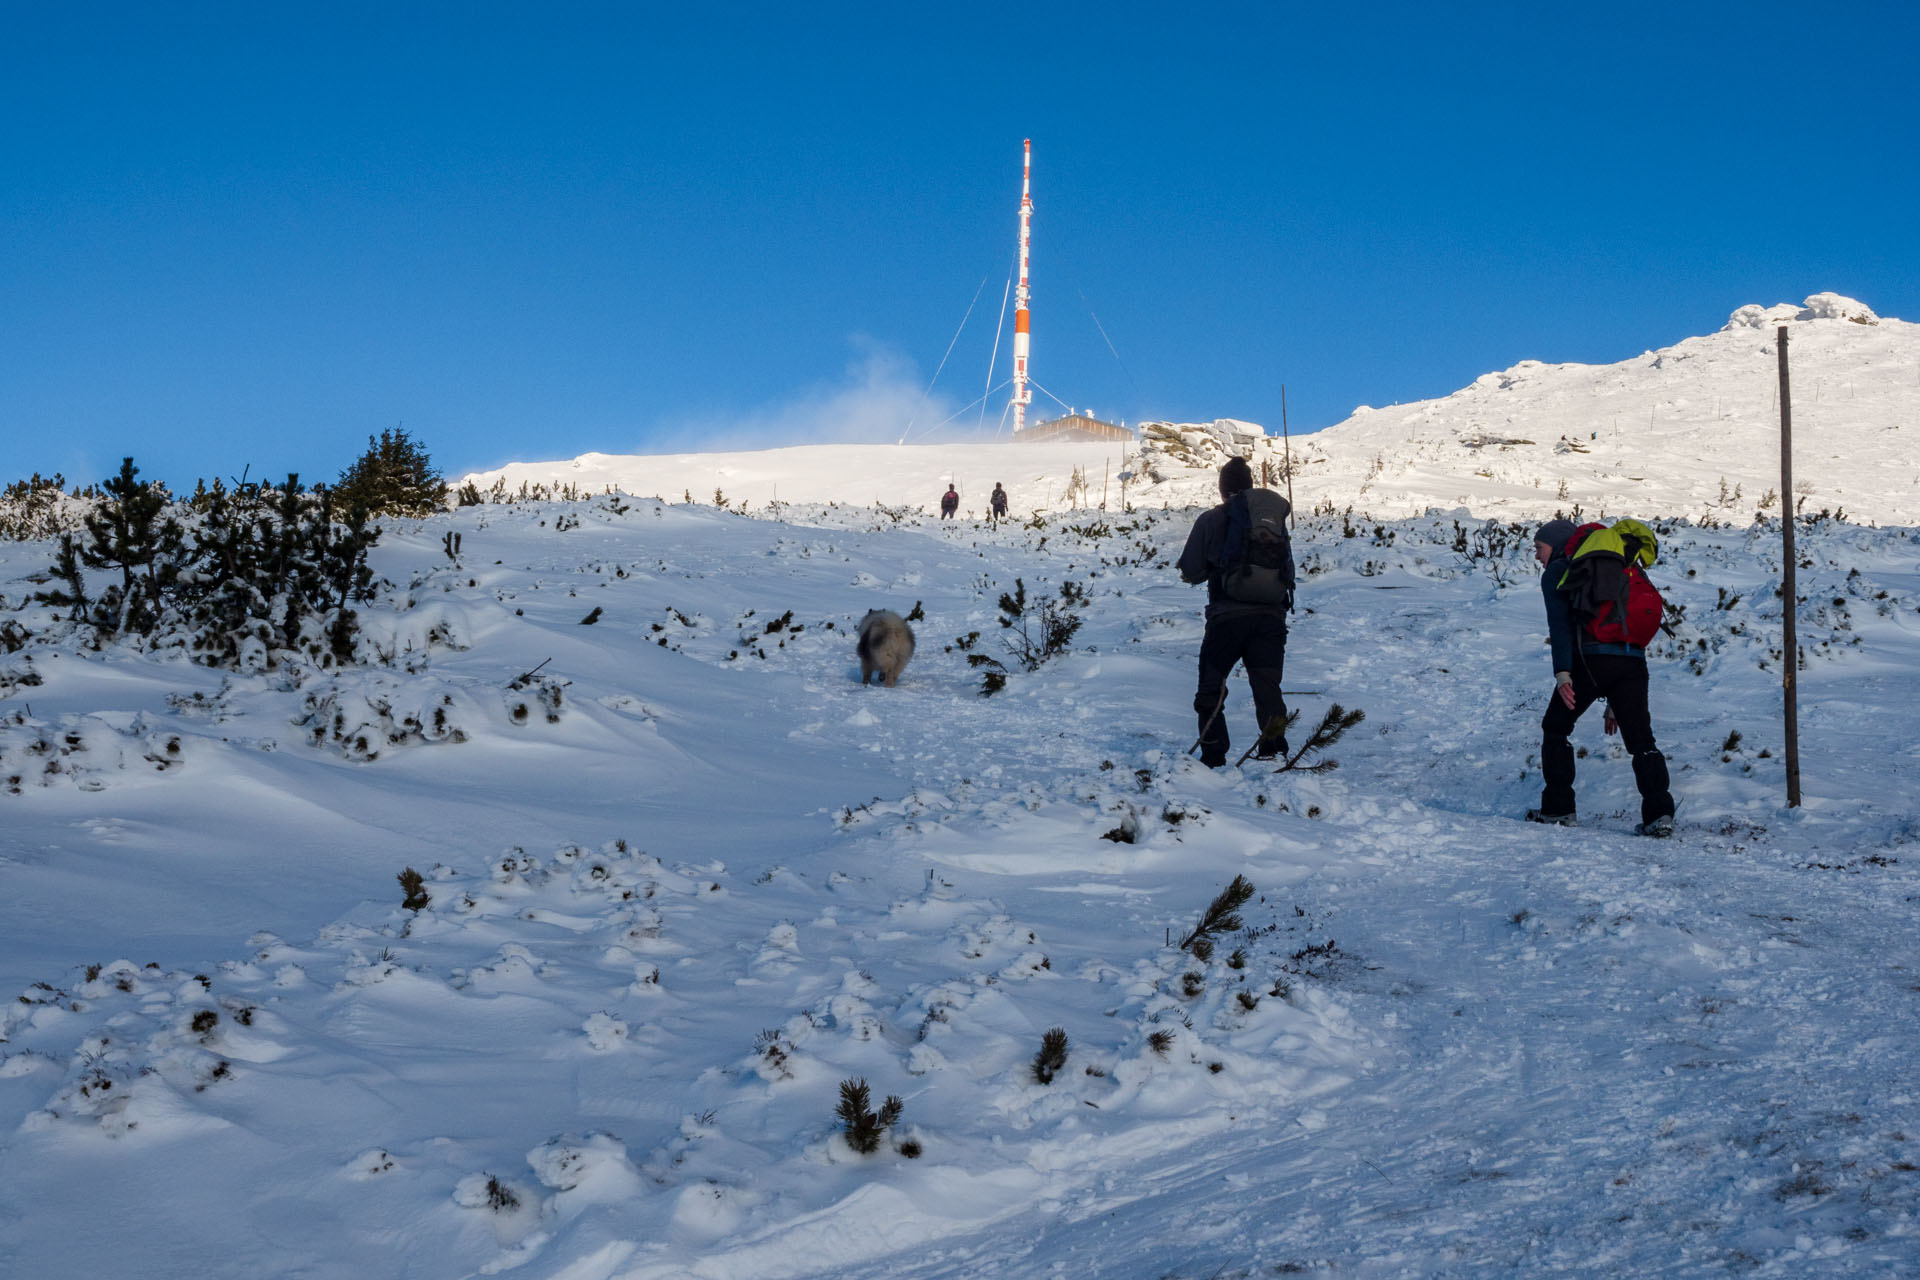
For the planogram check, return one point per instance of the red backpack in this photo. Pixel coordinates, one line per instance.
(1607, 590)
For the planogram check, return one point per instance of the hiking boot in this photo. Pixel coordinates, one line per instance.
(1659, 829)
(1277, 751)
(1553, 819)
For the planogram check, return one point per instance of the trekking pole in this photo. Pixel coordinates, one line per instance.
(1217, 707)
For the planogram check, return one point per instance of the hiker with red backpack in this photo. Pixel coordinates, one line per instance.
(1241, 549)
(1602, 612)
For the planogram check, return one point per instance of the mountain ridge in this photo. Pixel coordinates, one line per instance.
(1690, 429)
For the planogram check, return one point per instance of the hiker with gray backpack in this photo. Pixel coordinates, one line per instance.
(1602, 612)
(1242, 551)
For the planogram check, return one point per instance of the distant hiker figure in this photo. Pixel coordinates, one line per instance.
(949, 503)
(997, 502)
(1601, 613)
(1242, 551)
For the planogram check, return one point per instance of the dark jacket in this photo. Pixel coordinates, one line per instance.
(1563, 633)
(1200, 562)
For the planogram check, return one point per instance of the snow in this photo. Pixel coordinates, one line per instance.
(1691, 429)
(1688, 429)
(690, 876)
(1035, 475)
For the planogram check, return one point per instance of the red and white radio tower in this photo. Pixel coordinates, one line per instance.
(1022, 397)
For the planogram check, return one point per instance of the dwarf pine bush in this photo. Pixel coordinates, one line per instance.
(415, 886)
(1036, 632)
(1052, 1055)
(241, 578)
(393, 477)
(128, 532)
(865, 1127)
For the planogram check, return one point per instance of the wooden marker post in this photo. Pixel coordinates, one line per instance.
(1790, 639)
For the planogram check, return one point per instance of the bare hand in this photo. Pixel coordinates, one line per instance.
(1612, 723)
(1566, 696)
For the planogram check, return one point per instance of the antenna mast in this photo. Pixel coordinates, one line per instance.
(1022, 397)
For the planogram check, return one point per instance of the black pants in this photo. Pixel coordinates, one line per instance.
(1257, 637)
(1622, 681)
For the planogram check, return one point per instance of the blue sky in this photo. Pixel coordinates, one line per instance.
(251, 235)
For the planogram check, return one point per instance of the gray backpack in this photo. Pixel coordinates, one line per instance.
(1258, 565)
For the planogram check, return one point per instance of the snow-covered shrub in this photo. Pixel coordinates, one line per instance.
(544, 695)
(79, 750)
(131, 532)
(39, 507)
(272, 576)
(242, 579)
(364, 715)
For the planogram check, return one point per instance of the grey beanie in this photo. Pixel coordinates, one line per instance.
(1555, 533)
(1235, 475)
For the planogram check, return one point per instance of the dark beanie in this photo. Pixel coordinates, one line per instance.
(1555, 533)
(1235, 476)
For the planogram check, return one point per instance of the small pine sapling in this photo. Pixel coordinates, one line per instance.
(416, 888)
(1055, 619)
(1160, 1042)
(992, 680)
(1052, 1055)
(865, 1127)
(500, 1197)
(1332, 725)
(1222, 915)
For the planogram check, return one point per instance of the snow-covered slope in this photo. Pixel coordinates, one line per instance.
(1037, 477)
(1689, 430)
(685, 877)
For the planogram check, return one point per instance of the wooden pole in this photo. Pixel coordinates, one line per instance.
(1790, 638)
(1105, 476)
(1286, 441)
